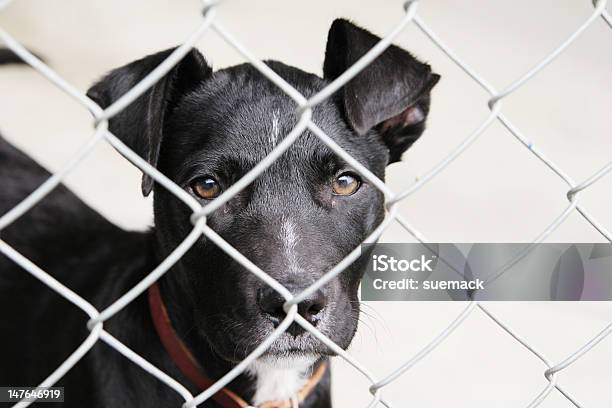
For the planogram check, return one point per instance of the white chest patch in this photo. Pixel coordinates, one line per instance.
(279, 379)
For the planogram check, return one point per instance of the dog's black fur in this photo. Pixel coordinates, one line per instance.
(195, 123)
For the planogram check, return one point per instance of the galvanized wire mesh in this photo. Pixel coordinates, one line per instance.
(304, 107)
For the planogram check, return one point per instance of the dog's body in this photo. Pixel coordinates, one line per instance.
(296, 221)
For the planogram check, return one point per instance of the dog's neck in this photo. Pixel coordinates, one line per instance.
(267, 379)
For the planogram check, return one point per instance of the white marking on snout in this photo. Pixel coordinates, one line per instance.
(279, 378)
(275, 128)
(289, 239)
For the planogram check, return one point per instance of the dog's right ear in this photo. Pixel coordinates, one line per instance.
(140, 125)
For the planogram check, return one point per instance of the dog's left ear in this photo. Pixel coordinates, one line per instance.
(141, 124)
(390, 95)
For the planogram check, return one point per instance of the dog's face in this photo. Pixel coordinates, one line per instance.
(298, 219)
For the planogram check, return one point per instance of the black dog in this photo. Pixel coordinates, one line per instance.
(204, 130)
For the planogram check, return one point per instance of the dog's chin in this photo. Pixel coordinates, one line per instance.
(285, 347)
(234, 343)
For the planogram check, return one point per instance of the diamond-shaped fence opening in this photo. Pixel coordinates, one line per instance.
(303, 106)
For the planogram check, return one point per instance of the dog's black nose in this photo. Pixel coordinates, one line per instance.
(271, 303)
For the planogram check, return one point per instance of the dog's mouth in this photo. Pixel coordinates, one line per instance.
(233, 337)
(286, 345)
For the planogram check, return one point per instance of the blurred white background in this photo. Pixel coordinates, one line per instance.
(495, 192)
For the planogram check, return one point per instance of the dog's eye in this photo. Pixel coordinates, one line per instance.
(206, 188)
(346, 184)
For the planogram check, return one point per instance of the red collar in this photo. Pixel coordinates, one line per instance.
(186, 362)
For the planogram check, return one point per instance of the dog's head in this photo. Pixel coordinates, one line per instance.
(304, 214)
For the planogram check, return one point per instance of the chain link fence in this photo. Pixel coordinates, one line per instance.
(211, 23)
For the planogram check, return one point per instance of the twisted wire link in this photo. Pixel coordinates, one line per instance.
(304, 123)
